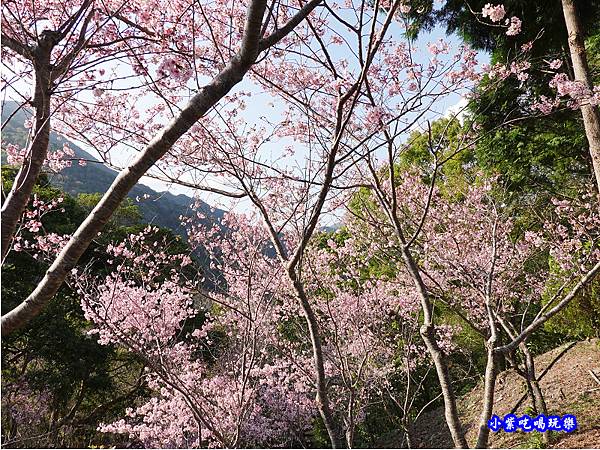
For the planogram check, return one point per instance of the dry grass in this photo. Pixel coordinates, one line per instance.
(568, 388)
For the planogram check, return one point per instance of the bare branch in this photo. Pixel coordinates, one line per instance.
(583, 282)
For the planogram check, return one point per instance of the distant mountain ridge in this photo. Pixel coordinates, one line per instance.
(159, 208)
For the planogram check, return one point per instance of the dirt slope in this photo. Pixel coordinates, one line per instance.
(568, 386)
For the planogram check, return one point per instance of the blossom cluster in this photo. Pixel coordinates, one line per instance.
(495, 12)
(56, 160)
(197, 402)
(31, 236)
(472, 254)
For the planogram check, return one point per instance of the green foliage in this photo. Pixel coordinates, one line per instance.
(460, 17)
(53, 353)
(581, 318)
(533, 440)
(448, 139)
(318, 434)
(127, 214)
(377, 423)
(541, 155)
(547, 155)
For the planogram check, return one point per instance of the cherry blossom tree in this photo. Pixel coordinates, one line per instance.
(338, 125)
(224, 379)
(255, 31)
(290, 321)
(370, 330)
(463, 252)
(407, 206)
(246, 367)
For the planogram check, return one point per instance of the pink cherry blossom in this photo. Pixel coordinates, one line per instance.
(514, 26)
(555, 64)
(495, 12)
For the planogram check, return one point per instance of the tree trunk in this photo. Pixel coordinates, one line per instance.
(491, 372)
(322, 398)
(591, 114)
(19, 195)
(437, 355)
(539, 404)
(350, 426)
(408, 438)
(491, 368)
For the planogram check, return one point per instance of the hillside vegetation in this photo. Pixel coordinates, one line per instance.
(161, 208)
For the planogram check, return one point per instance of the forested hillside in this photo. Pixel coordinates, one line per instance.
(160, 208)
(456, 303)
